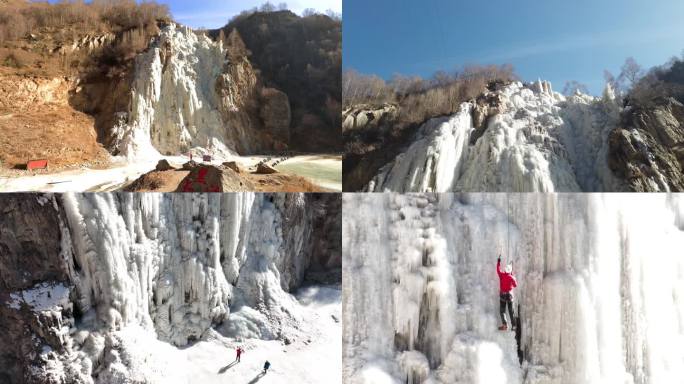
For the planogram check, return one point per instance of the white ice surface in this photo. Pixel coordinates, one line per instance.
(174, 105)
(188, 276)
(601, 288)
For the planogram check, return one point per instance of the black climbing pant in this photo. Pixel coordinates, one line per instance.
(506, 299)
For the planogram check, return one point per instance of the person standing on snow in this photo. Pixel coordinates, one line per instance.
(267, 365)
(506, 284)
(238, 353)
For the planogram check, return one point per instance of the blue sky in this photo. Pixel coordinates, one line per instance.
(216, 13)
(552, 39)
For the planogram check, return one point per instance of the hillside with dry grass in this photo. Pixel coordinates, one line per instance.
(64, 72)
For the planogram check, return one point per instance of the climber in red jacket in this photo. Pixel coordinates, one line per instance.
(506, 284)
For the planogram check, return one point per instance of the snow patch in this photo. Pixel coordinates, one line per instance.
(46, 296)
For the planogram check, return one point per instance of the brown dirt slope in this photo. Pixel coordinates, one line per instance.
(64, 72)
(37, 122)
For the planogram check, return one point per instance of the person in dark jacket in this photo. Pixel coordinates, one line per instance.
(506, 284)
(267, 365)
(238, 353)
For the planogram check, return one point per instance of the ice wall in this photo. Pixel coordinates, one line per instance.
(540, 141)
(99, 288)
(174, 105)
(601, 288)
(176, 264)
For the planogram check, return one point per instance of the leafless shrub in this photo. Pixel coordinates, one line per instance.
(17, 20)
(420, 99)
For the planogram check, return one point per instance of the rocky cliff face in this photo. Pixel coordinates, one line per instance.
(647, 148)
(367, 116)
(28, 258)
(368, 150)
(78, 268)
(302, 57)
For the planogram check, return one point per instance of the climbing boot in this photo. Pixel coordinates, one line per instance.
(503, 327)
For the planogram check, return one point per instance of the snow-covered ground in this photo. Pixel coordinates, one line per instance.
(540, 142)
(601, 288)
(315, 358)
(323, 171)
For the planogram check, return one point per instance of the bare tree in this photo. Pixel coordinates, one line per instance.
(441, 79)
(282, 7)
(630, 72)
(309, 12)
(573, 86)
(267, 7)
(333, 15)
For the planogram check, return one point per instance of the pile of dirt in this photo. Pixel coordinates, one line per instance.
(209, 178)
(158, 181)
(265, 169)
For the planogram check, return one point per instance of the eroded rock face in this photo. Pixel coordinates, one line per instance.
(237, 89)
(18, 92)
(361, 116)
(327, 241)
(647, 149)
(275, 114)
(312, 227)
(31, 252)
(88, 42)
(486, 106)
(258, 117)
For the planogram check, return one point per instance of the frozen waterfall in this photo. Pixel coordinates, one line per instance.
(541, 141)
(148, 288)
(174, 105)
(177, 263)
(601, 288)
